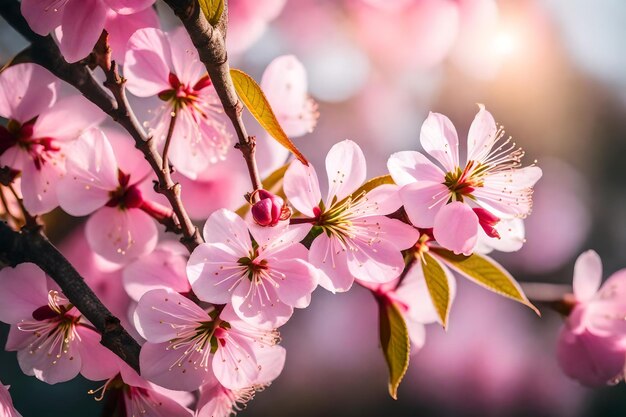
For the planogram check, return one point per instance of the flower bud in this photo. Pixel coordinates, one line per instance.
(487, 221)
(270, 209)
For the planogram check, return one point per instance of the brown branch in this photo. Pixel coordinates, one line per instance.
(44, 51)
(33, 246)
(210, 43)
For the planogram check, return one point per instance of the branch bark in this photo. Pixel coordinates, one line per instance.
(46, 53)
(33, 246)
(210, 41)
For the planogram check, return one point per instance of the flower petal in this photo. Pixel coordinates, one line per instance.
(81, 26)
(438, 137)
(129, 6)
(68, 118)
(23, 290)
(327, 254)
(481, 136)
(147, 62)
(423, 200)
(409, 166)
(257, 304)
(42, 15)
(226, 227)
(300, 280)
(456, 228)
(213, 271)
(158, 365)
(587, 275)
(98, 362)
(302, 187)
(234, 363)
(346, 170)
(26, 90)
(38, 186)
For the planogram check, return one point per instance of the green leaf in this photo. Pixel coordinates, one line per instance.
(394, 339)
(272, 183)
(438, 287)
(212, 10)
(256, 102)
(485, 272)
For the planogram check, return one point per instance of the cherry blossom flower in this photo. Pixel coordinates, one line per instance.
(6, 403)
(269, 210)
(218, 401)
(119, 230)
(457, 200)
(167, 65)
(263, 281)
(285, 85)
(186, 345)
(79, 24)
(592, 344)
(357, 240)
(40, 126)
(53, 341)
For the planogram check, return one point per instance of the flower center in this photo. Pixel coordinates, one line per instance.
(185, 95)
(462, 183)
(125, 196)
(41, 150)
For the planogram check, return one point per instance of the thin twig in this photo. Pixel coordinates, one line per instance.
(210, 43)
(168, 139)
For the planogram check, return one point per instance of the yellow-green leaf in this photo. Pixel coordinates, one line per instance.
(272, 183)
(394, 339)
(486, 272)
(252, 96)
(438, 287)
(212, 10)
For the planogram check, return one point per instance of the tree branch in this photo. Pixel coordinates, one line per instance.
(211, 46)
(33, 246)
(46, 53)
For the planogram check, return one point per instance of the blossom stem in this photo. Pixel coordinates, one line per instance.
(168, 139)
(210, 43)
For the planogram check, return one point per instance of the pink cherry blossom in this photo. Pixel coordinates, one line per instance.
(592, 344)
(357, 240)
(285, 85)
(79, 24)
(119, 230)
(6, 403)
(40, 126)
(166, 65)
(53, 341)
(264, 282)
(186, 345)
(218, 401)
(460, 199)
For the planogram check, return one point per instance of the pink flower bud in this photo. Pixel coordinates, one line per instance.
(270, 209)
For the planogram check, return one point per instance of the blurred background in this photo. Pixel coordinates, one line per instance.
(553, 72)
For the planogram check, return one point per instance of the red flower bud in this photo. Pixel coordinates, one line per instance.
(487, 221)
(270, 209)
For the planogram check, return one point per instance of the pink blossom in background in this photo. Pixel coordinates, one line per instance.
(187, 345)
(248, 20)
(118, 230)
(166, 65)
(79, 23)
(265, 282)
(457, 201)
(357, 239)
(592, 344)
(53, 341)
(6, 404)
(41, 124)
(284, 83)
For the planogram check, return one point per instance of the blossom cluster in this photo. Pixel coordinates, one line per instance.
(208, 321)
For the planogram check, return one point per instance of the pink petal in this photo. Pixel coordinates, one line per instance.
(98, 362)
(271, 360)
(147, 62)
(121, 235)
(608, 307)
(157, 364)
(394, 232)
(587, 275)
(129, 159)
(234, 363)
(378, 261)
(284, 83)
(69, 118)
(163, 405)
(48, 367)
(417, 334)
(226, 227)
(91, 174)
(162, 269)
(456, 228)
(385, 199)
(81, 26)
(274, 241)
(512, 237)
(42, 15)
(300, 281)
(23, 290)
(481, 136)
(407, 167)
(327, 255)
(185, 61)
(38, 186)
(438, 137)
(258, 305)
(592, 360)
(159, 311)
(26, 90)
(423, 200)
(346, 170)
(302, 188)
(270, 154)
(213, 271)
(121, 27)
(129, 6)
(508, 193)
